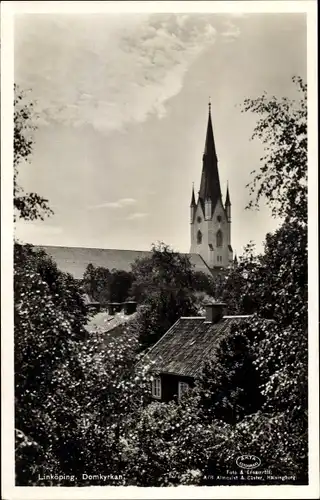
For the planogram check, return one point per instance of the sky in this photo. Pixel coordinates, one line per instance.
(122, 106)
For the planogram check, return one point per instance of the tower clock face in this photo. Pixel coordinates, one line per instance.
(199, 219)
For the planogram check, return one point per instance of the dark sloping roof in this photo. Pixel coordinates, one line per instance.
(74, 260)
(104, 322)
(187, 344)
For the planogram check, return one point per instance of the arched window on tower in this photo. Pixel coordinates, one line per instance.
(219, 238)
(199, 237)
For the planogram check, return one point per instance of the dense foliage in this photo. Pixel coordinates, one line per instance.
(106, 286)
(82, 405)
(164, 285)
(49, 316)
(282, 128)
(274, 285)
(28, 206)
(229, 386)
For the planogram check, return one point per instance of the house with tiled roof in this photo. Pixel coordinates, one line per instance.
(112, 321)
(180, 354)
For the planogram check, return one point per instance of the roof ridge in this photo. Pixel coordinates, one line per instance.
(89, 248)
(192, 317)
(238, 316)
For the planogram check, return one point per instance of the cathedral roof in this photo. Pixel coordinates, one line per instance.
(210, 182)
(74, 260)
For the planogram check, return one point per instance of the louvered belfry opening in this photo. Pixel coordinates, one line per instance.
(214, 311)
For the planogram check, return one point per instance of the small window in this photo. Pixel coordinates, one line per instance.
(199, 237)
(156, 387)
(199, 219)
(182, 388)
(219, 218)
(219, 238)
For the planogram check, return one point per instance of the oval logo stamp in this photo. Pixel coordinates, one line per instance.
(248, 461)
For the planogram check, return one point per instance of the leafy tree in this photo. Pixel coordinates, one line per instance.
(163, 283)
(238, 288)
(28, 206)
(120, 285)
(282, 128)
(167, 445)
(107, 286)
(95, 406)
(274, 284)
(96, 283)
(165, 268)
(49, 316)
(201, 282)
(229, 385)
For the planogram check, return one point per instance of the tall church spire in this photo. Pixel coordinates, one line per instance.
(209, 147)
(210, 182)
(193, 199)
(227, 203)
(210, 219)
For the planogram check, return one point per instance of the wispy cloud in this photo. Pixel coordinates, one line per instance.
(231, 32)
(108, 71)
(122, 202)
(137, 215)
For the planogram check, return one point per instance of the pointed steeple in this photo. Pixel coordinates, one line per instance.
(210, 147)
(193, 199)
(227, 203)
(210, 182)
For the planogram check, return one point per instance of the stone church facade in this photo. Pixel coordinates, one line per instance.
(210, 218)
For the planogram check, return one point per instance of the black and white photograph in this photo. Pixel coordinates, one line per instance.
(161, 178)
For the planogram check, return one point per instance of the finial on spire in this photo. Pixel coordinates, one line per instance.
(209, 104)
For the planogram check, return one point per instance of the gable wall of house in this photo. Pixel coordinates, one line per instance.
(169, 386)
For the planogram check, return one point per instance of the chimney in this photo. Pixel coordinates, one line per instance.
(214, 311)
(110, 309)
(130, 307)
(117, 307)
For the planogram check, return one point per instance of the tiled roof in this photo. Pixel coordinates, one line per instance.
(187, 344)
(74, 260)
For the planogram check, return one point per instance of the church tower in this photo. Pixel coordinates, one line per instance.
(210, 218)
